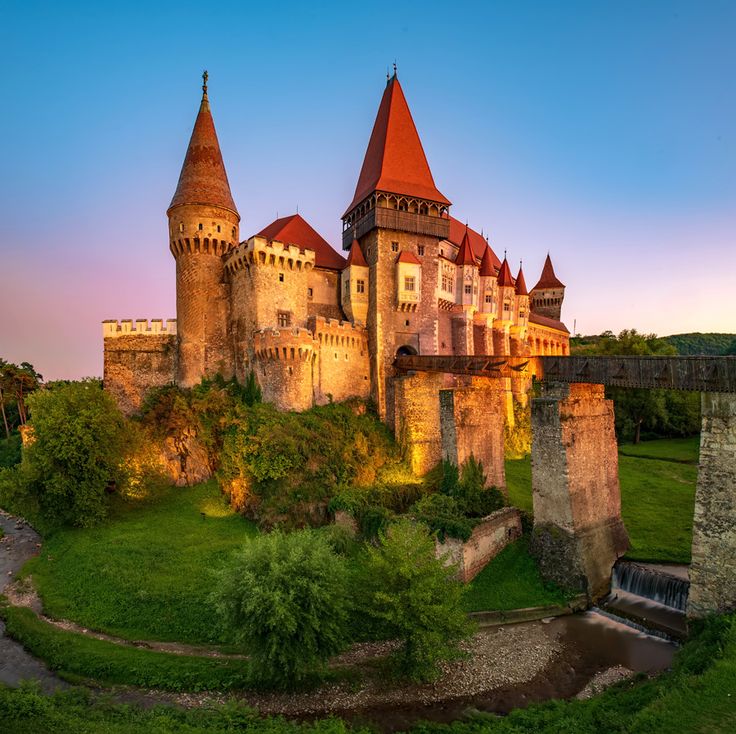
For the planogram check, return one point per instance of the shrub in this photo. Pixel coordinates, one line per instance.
(442, 515)
(468, 488)
(413, 597)
(79, 441)
(285, 598)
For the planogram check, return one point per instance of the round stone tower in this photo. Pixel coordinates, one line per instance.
(203, 227)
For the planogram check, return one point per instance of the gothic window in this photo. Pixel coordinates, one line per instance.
(420, 249)
(284, 318)
(394, 247)
(506, 306)
(446, 283)
(468, 290)
(360, 286)
(409, 283)
(489, 298)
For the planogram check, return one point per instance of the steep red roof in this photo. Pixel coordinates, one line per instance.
(465, 255)
(356, 256)
(395, 161)
(408, 257)
(521, 283)
(486, 264)
(548, 279)
(203, 179)
(504, 275)
(477, 241)
(295, 230)
(536, 318)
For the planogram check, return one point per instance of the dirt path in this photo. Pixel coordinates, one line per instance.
(19, 543)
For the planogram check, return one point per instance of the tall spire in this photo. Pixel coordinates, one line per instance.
(203, 179)
(548, 279)
(465, 253)
(504, 274)
(395, 161)
(486, 263)
(521, 283)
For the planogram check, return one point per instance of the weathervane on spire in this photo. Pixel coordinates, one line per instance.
(205, 77)
(394, 67)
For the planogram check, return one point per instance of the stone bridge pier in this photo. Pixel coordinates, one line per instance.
(578, 531)
(440, 416)
(713, 569)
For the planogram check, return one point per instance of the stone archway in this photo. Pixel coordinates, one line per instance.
(406, 350)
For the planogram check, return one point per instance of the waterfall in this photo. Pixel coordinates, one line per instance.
(649, 583)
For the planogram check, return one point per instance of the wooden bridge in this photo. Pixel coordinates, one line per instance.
(699, 374)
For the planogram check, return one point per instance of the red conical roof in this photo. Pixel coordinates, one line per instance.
(504, 274)
(548, 279)
(487, 267)
(295, 230)
(394, 161)
(203, 179)
(465, 255)
(521, 283)
(477, 241)
(356, 256)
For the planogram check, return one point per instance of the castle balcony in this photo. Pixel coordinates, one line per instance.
(401, 221)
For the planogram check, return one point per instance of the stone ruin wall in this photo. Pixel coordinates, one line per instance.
(490, 536)
(138, 356)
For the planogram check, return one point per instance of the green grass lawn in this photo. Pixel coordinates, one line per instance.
(657, 497)
(145, 574)
(685, 450)
(511, 581)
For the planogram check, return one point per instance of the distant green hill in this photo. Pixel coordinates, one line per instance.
(703, 343)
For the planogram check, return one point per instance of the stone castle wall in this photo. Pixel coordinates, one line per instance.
(137, 356)
(342, 365)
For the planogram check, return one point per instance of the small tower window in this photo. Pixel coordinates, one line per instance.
(200, 226)
(281, 277)
(218, 228)
(181, 226)
(468, 290)
(360, 286)
(283, 318)
(420, 249)
(394, 247)
(233, 233)
(310, 293)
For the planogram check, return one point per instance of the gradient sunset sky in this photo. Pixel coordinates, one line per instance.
(602, 132)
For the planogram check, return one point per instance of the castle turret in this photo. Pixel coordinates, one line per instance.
(548, 294)
(521, 316)
(354, 279)
(397, 214)
(203, 226)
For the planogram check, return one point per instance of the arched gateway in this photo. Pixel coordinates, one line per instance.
(578, 532)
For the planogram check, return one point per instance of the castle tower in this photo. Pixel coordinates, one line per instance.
(521, 316)
(354, 278)
(505, 310)
(467, 279)
(548, 294)
(203, 226)
(398, 216)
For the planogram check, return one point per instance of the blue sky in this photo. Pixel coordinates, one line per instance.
(604, 132)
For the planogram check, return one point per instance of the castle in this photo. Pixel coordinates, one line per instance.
(312, 325)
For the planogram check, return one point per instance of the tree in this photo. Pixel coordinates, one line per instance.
(413, 597)
(285, 598)
(79, 440)
(16, 383)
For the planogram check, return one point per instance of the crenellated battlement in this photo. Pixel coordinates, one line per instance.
(334, 333)
(284, 344)
(112, 328)
(261, 251)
